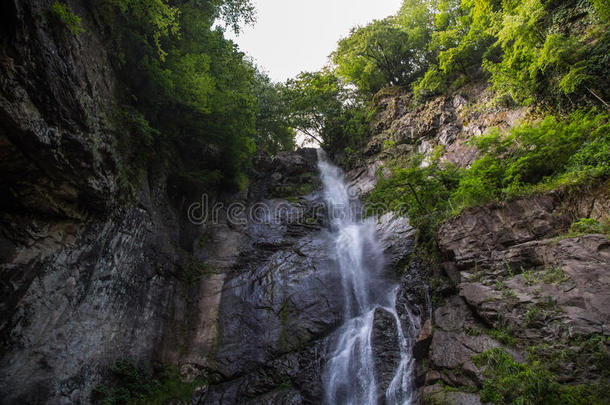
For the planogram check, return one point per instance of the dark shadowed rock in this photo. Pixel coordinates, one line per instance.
(386, 348)
(424, 339)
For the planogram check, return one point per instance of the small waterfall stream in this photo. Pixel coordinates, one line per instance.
(350, 371)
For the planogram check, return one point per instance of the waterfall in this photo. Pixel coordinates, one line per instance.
(349, 376)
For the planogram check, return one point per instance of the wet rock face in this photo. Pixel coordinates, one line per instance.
(288, 300)
(81, 296)
(280, 304)
(55, 116)
(386, 349)
(84, 281)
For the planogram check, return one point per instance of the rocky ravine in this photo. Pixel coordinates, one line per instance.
(511, 277)
(95, 268)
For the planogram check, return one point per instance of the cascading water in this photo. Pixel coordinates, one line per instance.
(350, 371)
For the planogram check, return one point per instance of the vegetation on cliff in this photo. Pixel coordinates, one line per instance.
(133, 385)
(195, 105)
(198, 108)
(511, 382)
(546, 53)
(573, 151)
(550, 55)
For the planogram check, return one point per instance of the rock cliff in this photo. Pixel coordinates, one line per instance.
(511, 274)
(98, 266)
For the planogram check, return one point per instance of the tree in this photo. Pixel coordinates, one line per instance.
(200, 104)
(273, 128)
(323, 108)
(548, 57)
(315, 99)
(462, 37)
(381, 54)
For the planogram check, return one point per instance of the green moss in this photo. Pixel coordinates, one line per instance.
(132, 385)
(63, 13)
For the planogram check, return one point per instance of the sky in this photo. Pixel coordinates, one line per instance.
(291, 36)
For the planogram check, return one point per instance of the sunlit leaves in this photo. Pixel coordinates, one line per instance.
(383, 53)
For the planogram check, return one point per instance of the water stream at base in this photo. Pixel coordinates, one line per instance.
(350, 377)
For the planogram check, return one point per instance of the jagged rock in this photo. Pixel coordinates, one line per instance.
(396, 236)
(386, 348)
(277, 304)
(478, 294)
(290, 163)
(450, 350)
(474, 236)
(56, 129)
(448, 135)
(364, 180)
(424, 339)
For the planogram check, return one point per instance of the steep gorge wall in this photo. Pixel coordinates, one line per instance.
(510, 276)
(90, 273)
(99, 265)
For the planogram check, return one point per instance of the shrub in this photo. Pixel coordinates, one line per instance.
(63, 12)
(132, 385)
(531, 157)
(510, 382)
(589, 225)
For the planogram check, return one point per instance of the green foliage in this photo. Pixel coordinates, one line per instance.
(63, 13)
(554, 274)
(510, 382)
(315, 102)
(203, 106)
(421, 191)
(589, 225)
(382, 54)
(602, 8)
(581, 352)
(547, 57)
(273, 128)
(548, 52)
(531, 157)
(503, 336)
(323, 108)
(462, 36)
(389, 52)
(132, 385)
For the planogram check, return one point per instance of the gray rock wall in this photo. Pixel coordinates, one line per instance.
(509, 274)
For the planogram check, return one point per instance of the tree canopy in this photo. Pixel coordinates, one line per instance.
(195, 102)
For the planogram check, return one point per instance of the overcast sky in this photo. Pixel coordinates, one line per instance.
(291, 36)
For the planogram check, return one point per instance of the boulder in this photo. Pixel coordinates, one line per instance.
(386, 348)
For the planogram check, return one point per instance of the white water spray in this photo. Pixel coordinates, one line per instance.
(350, 371)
